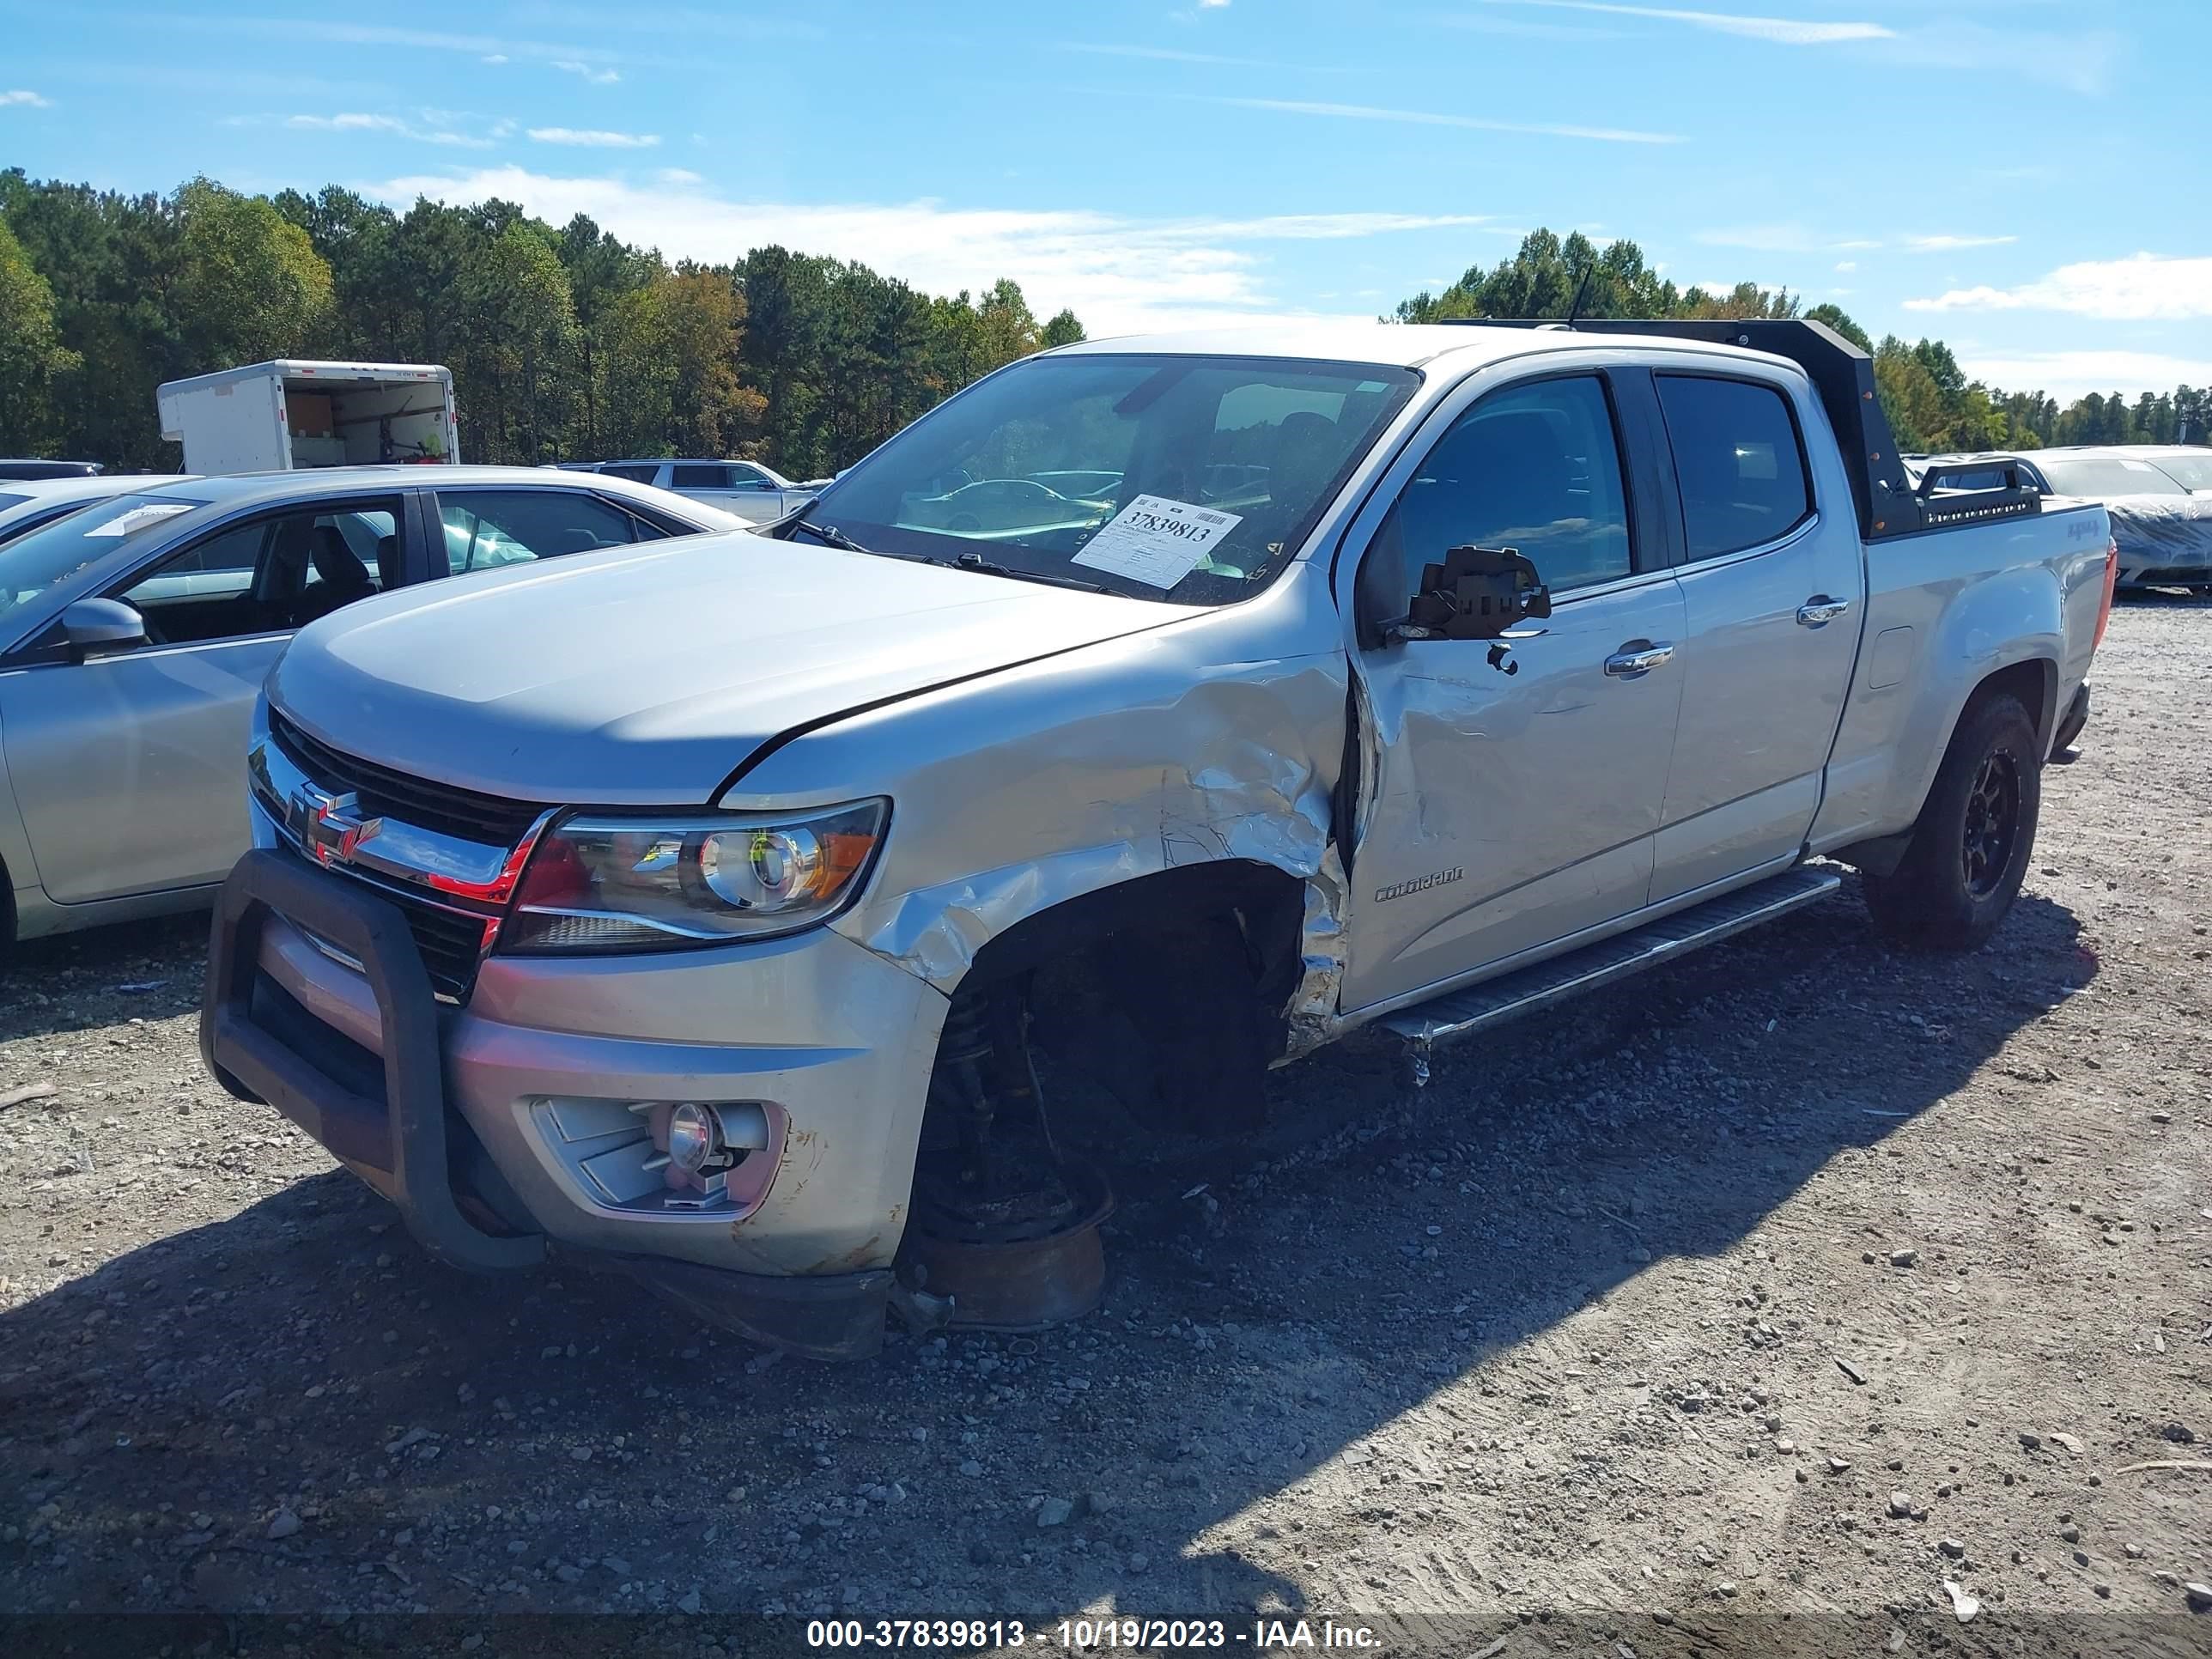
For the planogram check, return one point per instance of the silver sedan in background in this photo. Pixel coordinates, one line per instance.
(135, 631)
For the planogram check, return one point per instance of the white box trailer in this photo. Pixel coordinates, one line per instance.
(276, 416)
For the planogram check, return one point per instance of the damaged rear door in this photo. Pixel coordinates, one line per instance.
(1511, 788)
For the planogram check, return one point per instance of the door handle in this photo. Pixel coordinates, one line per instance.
(1639, 658)
(1821, 610)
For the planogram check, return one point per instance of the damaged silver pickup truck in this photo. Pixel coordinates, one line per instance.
(1158, 709)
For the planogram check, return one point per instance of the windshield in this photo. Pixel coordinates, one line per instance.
(8, 501)
(53, 553)
(2099, 477)
(2190, 471)
(1189, 478)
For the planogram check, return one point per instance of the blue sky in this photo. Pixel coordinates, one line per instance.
(2023, 177)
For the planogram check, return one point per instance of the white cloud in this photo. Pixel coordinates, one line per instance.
(29, 100)
(1424, 118)
(597, 77)
(1952, 244)
(1782, 31)
(1847, 265)
(433, 134)
(594, 137)
(1120, 274)
(2143, 286)
(1212, 5)
(2067, 375)
(496, 58)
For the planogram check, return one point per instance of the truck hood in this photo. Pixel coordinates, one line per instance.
(649, 676)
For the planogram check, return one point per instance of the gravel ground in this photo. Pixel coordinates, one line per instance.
(1801, 1278)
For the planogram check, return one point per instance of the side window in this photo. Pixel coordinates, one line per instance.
(644, 473)
(274, 573)
(746, 477)
(699, 477)
(1534, 468)
(1737, 460)
(487, 528)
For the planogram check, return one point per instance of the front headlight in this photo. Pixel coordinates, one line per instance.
(619, 884)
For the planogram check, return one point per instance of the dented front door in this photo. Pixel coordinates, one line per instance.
(1510, 796)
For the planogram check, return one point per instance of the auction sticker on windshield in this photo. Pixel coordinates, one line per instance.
(1157, 541)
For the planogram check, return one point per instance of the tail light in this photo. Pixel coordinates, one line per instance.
(2111, 580)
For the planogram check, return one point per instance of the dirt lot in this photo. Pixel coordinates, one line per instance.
(1798, 1279)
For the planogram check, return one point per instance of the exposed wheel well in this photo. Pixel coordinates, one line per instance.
(2034, 683)
(1169, 990)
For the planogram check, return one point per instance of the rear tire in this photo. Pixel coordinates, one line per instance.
(1975, 834)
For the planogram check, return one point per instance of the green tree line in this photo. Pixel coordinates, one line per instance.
(565, 343)
(568, 343)
(1931, 403)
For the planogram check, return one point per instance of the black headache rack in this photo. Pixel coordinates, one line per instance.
(1843, 376)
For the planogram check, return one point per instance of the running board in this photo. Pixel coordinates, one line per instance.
(1457, 1013)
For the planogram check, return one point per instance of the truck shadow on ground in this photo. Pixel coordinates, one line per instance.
(553, 1443)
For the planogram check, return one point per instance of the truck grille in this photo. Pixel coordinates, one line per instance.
(489, 820)
(450, 943)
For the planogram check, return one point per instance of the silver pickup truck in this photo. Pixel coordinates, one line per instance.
(714, 909)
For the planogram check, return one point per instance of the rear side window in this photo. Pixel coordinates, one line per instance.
(699, 477)
(1737, 460)
(636, 474)
(487, 528)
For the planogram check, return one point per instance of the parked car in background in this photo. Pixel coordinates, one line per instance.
(26, 505)
(2158, 498)
(27, 469)
(136, 632)
(755, 492)
(708, 880)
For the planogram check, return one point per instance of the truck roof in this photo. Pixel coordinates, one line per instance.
(1402, 345)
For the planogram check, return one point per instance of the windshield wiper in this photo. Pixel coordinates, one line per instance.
(834, 537)
(977, 562)
(837, 539)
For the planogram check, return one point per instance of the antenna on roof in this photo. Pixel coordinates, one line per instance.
(1580, 288)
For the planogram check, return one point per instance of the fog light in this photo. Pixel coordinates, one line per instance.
(694, 1140)
(705, 1140)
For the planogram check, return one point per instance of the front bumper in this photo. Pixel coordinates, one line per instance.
(490, 1127)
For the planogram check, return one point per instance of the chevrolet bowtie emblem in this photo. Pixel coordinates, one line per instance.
(328, 826)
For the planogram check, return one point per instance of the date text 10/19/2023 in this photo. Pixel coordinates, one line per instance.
(1121, 1633)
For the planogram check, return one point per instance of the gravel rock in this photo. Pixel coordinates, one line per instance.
(1055, 1512)
(1903, 1258)
(1900, 1506)
(2200, 1595)
(1955, 1548)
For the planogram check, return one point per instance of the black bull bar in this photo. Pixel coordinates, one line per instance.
(402, 1138)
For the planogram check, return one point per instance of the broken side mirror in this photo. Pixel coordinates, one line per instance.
(1475, 593)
